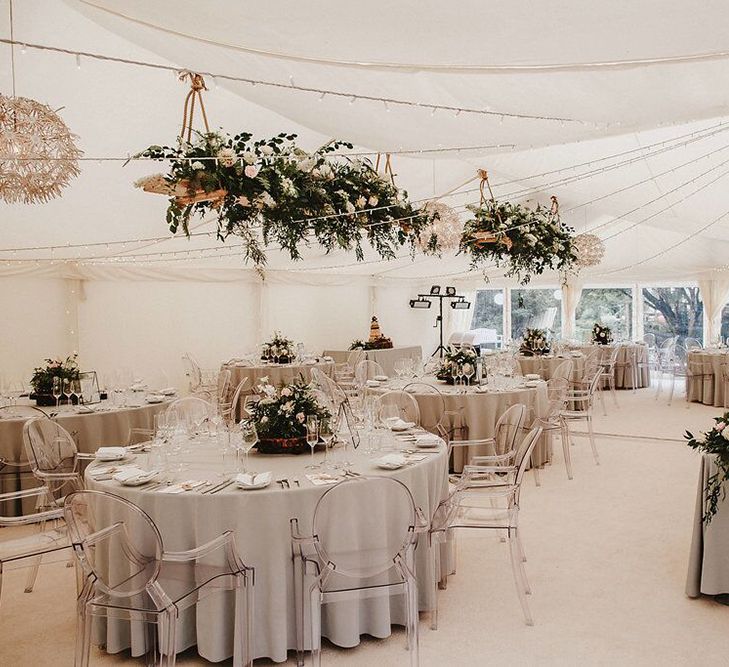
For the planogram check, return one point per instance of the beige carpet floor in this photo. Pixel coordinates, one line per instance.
(607, 563)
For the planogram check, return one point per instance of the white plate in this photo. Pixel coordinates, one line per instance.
(118, 455)
(389, 466)
(265, 479)
(381, 378)
(155, 399)
(138, 481)
(390, 462)
(405, 426)
(532, 383)
(427, 444)
(533, 376)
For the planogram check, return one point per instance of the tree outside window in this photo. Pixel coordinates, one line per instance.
(673, 311)
(611, 306)
(536, 308)
(488, 311)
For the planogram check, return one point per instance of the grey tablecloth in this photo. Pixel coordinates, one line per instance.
(386, 358)
(260, 520)
(545, 365)
(90, 431)
(708, 387)
(708, 570)
(479, 412)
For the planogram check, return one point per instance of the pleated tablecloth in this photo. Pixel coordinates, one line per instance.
(708, 386)
(386, 358)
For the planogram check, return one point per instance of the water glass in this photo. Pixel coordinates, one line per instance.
(312, 436)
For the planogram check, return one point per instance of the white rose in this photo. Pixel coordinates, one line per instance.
(249, 158)
(361, 201)
(285, 392)
(264, 419)
(266, 150)
(197, 165)
(350, 207)
(301, 417)
(373, 201)
(226, 157)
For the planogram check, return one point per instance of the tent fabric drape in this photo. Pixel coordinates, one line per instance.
(460, 320)
(571, 293)
(714, 294)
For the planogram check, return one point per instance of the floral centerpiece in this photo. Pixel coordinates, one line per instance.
(465, 357)
(601, 335)
(42, 380)
(280, 416)
(535, 343)
(279, 348)
(715, 442)
(527, 241)
(270, 191)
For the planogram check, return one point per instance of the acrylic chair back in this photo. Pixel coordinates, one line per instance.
(331, 389)
(406, 406)
(367, 370)
(563, 370)
(193, 372)
(524, 452)
(115, 541)
(191, 408)
(431, 420)
(49, 447)
(223, 385)
(354, 357)
(378, 539)
(508, 428)
(230, 410)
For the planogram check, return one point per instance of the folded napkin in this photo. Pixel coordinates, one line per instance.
(391, 461)
(83, 409)
(255, 479)
(168, 391)
(189, 485)
(97, 472)
(482, 389)
(327, 359)
(138, 387)
(155, 398)
(400, 425)
(373, 383)
(310, 362)
(322, 478)
(427, 439)
(414, 458)
(111, 452)
(132, 474)
(381, 378)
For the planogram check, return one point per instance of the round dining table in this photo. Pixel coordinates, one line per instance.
(91, 426)
(473, 415)
(545, 365)
(260, 520)
(628, 355)
(706, 382)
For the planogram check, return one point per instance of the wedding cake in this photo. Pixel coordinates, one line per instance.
(377, 340)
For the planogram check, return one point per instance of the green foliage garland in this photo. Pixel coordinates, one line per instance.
(715, 442)
(277, 193)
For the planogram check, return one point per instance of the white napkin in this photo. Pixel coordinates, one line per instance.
(414, 458)
(391, 460)
(111, 452)
(482, 389)
(168, 391)
(321, 479)
(309, 362)
(373, 383)
(381, 378)
(427, 438)
(83, 409)
(400, 425)
(189, 485)
(257, 479)
(106, 471)
(155, 398)
(327, 359)
(132, 473)
(138, 387)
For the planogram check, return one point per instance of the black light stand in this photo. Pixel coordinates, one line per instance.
(424, 301)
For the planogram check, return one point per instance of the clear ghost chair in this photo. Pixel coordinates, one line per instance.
(563, 370)
(551, 422)
(697, 372)
(503, 445)
(434, 421)
(692, 344)
(580, 401)
(366, 555)
(52, 455)
(334, 393)
(479, 501)
(345, 372)
(27, 551)
(367, 370)
(128, 576)
(229, 411)
(191, 410)
(223, 389)
(665, 357)
(608, 361)
(406, 405)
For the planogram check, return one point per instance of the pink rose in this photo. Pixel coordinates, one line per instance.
(251, 171)
(720, 426)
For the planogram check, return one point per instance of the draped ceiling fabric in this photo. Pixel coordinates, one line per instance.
(623, 76)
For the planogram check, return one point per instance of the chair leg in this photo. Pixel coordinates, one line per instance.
(521, 586)
(592, 440)
(601, 394)
(673, 384)
(315, 614)
(299, 579)
(435, 578)
(566, 450)
(170, 623)
(411, 592)
(32, 574)
(536, 474)
(611, 381)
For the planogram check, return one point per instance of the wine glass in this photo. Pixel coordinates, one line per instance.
(76, 391)
(56, 388)
(312, 436)
(326, 433)
(67, 389)
(249, 438)
(455, 373)
(468, 371)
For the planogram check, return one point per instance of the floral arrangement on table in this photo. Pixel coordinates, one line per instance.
(715, 442)
(461, 356)
(601, 335)
(526, 240)
(535, 343)
(42, 380)
(279, 348)
(270, 191)
(280, 416)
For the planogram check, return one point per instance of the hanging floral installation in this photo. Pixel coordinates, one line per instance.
(445, 230)
(270, 191)
(525, 241)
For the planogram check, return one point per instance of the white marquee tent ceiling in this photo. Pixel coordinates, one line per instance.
(644, 82)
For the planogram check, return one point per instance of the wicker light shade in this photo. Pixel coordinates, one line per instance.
(589, 250)
(447, 226)
(38, 156)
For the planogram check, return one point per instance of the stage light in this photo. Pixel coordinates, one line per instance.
(435, 290)
(450, 291)
(419, 303)
(461, 305)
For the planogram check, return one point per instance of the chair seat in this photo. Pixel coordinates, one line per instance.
(184, 584)
(33, 545)
(485, 517)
